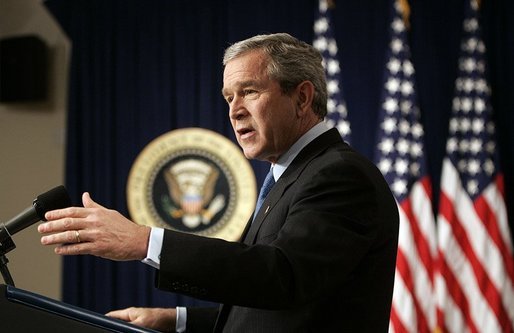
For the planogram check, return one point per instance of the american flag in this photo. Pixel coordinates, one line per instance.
(400, 157)
(475, 269)
(324, 41)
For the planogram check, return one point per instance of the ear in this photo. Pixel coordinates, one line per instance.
(305, 95)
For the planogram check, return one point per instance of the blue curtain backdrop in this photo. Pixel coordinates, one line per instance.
(141, 68)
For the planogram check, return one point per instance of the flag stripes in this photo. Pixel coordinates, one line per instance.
(460, 276)
(400, 157)
(474, 278)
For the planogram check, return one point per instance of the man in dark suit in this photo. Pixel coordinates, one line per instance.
(319, 254)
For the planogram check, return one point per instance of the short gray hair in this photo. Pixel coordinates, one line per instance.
(291, 62)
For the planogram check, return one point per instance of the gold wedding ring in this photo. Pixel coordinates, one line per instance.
(77, 235)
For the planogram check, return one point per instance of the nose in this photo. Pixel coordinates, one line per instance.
(237, 109)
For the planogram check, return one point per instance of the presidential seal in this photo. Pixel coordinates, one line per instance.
(192, 180)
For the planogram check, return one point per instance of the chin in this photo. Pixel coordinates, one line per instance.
(250, 154)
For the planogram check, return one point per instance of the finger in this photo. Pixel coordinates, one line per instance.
(73, 249)
(119, 314)
(63, 224)
(88, 202)
(65, 212)
(67, 237)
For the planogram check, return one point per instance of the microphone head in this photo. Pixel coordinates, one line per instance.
(56, 198)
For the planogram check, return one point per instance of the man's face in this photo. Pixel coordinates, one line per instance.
(263, 118)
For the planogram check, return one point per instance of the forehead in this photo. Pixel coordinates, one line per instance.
(251, 65)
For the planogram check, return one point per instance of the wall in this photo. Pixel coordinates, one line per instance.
(32, 147)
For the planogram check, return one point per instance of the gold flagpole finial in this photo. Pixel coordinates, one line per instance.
(405, 8)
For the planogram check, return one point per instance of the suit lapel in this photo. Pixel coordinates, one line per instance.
(313, 149)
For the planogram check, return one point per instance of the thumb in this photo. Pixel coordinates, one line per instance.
(88, 202)
(119, 314)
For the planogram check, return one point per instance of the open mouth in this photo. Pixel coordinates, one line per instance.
(245, 133)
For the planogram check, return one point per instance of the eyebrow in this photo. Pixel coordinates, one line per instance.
(241, 85)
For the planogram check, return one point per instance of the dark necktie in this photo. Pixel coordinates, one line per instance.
(269, 181)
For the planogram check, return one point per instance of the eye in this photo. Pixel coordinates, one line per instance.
(229, 99)
(248, 92)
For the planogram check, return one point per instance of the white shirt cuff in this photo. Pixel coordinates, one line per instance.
(181, 319)
(153, 257)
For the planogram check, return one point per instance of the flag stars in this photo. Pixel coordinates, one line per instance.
(477, 125)
(463, 146)
(321, 26)
(468, 85)
(404, 127)
(333, 67)
(386, 146)
(415, 169)
(416, 150)
(470, 25)
(385, 166)
(402, 146)
(408, 68)
(480, 66)
(394, 65)
(390, 105)
(475, 146)
(400, 151)
(341, 109)
(323, 6)
(392, 85)
(468, 65)
(481, 86)
(326, 44)
(462, 166)
(471, 44)
(474, 167)
(465, 124)
(470, 145)
(407, 88)
(398, 25)
(481, 47)
(490, 147)
(396, 45)
(489, 167)
(344, 127)
(472, 187)
(451, 145)
(454, 125)
(332, 47)
(406, 106)
(417, 130)
(401, 166)
(479, 105)
(466, 104)
(389, 125)
(399, 187)
(331, 105)
(332, 87)
(320, 44)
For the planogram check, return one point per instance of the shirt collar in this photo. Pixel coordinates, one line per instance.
(285, 160)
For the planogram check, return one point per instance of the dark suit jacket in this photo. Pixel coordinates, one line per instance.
(321, 258)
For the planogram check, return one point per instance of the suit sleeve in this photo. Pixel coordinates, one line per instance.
(316, 237)
(201, 320)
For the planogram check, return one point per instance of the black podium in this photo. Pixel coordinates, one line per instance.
(23, 311)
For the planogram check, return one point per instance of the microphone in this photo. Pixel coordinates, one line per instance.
(56, 198)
